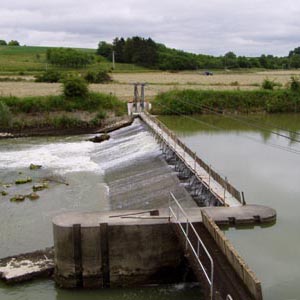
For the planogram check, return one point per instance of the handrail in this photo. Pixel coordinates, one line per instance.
(185, 231)
(223, 182)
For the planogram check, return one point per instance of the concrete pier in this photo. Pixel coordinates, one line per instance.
(119, 248)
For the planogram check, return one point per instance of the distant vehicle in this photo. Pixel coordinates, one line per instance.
(208, 73)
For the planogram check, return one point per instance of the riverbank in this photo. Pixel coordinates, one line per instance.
(189, 102)
(57, 115)
(108, 125)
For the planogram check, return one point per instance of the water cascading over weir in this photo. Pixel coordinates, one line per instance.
(132, 247)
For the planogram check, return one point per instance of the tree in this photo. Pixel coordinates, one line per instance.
(105, 49)
(75, 87)
(230, 60)
(296, 51)
(13, 43)
(3, 43)
(118, 47)
(295, 61)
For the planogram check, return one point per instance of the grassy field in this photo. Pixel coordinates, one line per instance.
(32, 60)
(158, 82)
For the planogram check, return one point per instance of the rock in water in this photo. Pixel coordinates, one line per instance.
(100, 138)
(17, 198)
(23, 180)
(34, 167)
(33, 196)
(40, 187)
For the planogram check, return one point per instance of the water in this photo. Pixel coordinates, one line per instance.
(82, 176)
(251, 159)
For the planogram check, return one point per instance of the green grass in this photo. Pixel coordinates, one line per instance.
(195, 101)
(30, 60)
(93, 102)
(99, 105)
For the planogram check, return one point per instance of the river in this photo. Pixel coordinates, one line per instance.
(266, 167)
(81, 176)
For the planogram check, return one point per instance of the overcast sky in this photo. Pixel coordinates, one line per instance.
(247, 27)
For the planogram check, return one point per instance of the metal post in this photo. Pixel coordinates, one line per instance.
(187, 234)
(195, 161)
(143, 96)
(243, 199)
(225, 186)
(170, 208)
(136, 95)
(209, 176)
(113, 60)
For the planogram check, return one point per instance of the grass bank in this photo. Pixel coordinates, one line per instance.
(200, 101)
(58, 112)
(30, 60)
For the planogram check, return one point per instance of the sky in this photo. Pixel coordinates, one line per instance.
(246, 27)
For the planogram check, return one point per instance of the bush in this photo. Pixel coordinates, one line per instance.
(97, 77)
(270, 84)
(5, 115)
(97, 120)
(49, 76)
(3, 43)
(75, 87)
(295, 84)
(13, 43)
(192, 101)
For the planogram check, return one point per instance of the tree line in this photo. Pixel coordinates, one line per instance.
(10, 43)
(148, 53)
(67, 57)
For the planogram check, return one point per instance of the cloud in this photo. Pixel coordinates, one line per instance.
(212, 27)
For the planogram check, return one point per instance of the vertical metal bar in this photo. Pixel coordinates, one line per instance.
(209, 176)
(212, 281)
(225, 185)
(187, 234)
(170, 207)
(195, 161)
(198, 247)
(243, 199)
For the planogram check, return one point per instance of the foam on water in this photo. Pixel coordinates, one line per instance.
(60, 157)
(64, 156)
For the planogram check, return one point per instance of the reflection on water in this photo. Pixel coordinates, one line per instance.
(46, 290)
(268, 176)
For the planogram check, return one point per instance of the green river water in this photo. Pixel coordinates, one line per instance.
(252, 160)
(255, 161)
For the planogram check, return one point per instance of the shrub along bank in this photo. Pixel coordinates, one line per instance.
(199, 101)
(56, 111)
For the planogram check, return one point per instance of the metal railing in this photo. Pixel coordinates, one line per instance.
(196, 245)
(212, 173)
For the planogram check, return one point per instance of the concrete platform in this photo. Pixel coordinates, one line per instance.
(247, 214)
(27, 266)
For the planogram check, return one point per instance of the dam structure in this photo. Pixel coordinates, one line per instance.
(126, 247)
(161, 225)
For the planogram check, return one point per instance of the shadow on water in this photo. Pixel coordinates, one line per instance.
(46, 290)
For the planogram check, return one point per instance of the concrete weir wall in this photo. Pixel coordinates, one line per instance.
(243, 271)
(95, 250)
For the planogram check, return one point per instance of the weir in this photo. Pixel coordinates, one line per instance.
(138, 247)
